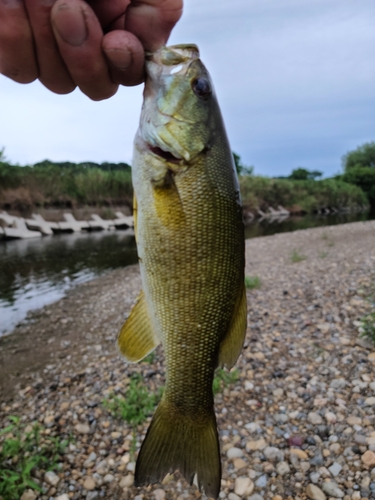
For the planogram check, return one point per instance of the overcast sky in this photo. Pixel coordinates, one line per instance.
(295, 81)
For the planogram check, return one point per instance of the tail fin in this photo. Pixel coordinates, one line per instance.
(177, 442)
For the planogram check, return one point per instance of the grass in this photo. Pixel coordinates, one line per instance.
(150, 358)
(323, 255)
(24, 450)
(368, 327)
(135, 405)
(297, 257)
(224, 378)
(252, 282)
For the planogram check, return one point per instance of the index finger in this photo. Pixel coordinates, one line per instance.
(152, 21)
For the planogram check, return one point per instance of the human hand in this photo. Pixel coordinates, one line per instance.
(96, 45)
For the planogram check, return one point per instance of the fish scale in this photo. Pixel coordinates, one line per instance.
(190, 240)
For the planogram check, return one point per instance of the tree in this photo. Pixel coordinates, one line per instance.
(302, 174)
(2, 154)
(359, 169)
(240, 167)
(363, 156)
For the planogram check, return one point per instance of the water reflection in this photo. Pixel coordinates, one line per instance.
(37, 272)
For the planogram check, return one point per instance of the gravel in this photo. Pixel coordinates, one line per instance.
(299, 423)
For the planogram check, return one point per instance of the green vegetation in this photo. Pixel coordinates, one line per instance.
(368, 327)
(252, 282)
(24, 450)
(224, 378)
(359, 169)
(305, 196)
(323, 255)
(68, 184)
(64, 184)
(135, 405)
(297, 257)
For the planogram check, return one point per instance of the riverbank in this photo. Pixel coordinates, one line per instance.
(306, 381)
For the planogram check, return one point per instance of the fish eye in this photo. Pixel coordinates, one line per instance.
(202, 87)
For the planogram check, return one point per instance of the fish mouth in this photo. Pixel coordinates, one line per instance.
(166, 155)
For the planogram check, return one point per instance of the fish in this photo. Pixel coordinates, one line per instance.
(190, 241)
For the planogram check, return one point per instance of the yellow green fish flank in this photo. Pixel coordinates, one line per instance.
(190, 241)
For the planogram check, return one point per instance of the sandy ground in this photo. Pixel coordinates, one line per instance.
(298, 422)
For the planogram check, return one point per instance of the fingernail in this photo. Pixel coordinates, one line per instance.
(120, 59)
(70, 24)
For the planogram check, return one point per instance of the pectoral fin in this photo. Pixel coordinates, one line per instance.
(137, 337)
(232, 343)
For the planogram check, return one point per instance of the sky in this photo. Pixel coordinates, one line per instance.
(295, 82)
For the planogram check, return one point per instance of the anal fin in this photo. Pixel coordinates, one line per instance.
(137, 337)
(232, 343)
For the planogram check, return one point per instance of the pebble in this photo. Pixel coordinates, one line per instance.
(332, 489)
(127, 481)
(91, 458)
(315, 493)
(368, 458)
(314, 418)
(28, 495)
(302, 455)
(89, 483)
(108, 478)
(92, 495)
(51, 478)
(370, 401)
(282, 468)
(272, 453)
(233, 496)
(64, 496)
(335, 469)
(82, 428)
(234, 453)
(255, 496)
(262, 481)
(159, 494)
(243, 486)
(258, 444)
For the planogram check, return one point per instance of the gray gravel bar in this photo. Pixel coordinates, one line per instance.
(298, 423)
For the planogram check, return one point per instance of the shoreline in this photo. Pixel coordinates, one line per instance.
(302, 356)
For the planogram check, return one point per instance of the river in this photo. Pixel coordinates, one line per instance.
(40, 271)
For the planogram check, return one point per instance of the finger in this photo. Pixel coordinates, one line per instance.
(152, 20)
(53, 72)
(79, 38)
(125, 56)
(17, 56)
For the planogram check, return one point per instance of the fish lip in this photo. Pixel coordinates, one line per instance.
(165, 155)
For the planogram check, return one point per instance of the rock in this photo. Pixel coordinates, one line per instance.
(335, 469)
(295, 441)
(330, 417)
(332, 489)
(28, 495)
(256, 496)
(243, 486)
(314, 418)
(234, 453)
(371, 357)
(368, 458)
(282, 468)
(108, 478)
(51, 478)
(370, 401)
(262, 481)
(92, 495)
(272, 453)
(90, 459)
(127, 481)
(258, 444)
(64, 496)
(314, 492)
(159, 494)
(233, 496)
(354, 420)
(89, 483)
(302, 455)
(317, 459)
(82, 428)
(239, 463)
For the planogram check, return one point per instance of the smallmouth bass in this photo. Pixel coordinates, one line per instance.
(190, 240)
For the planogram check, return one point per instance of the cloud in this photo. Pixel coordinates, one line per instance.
(295, 82)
